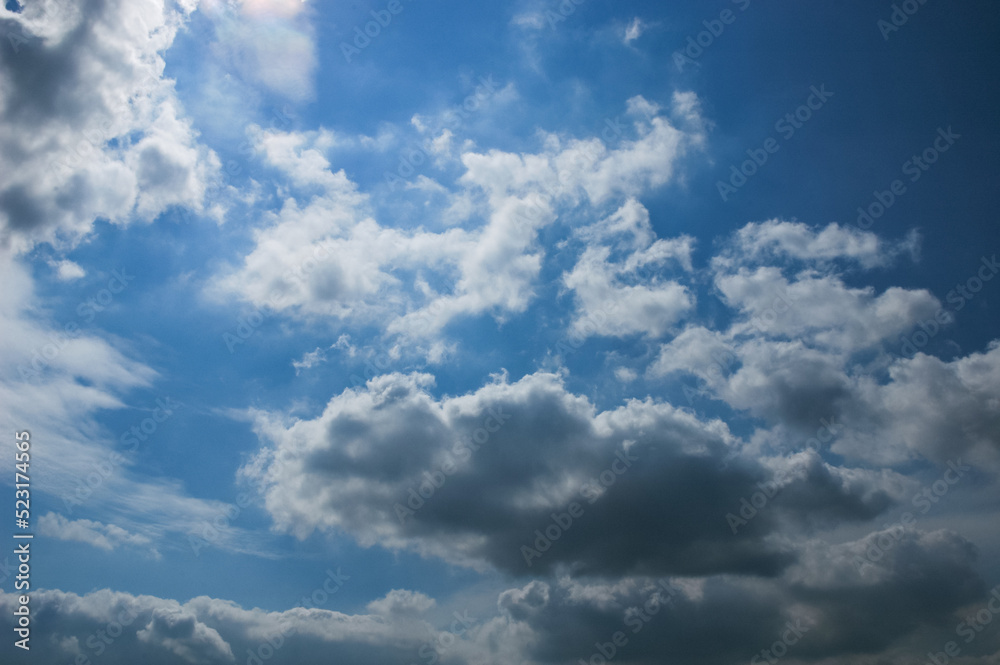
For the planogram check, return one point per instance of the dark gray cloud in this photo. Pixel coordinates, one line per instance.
(826, 606)
(527, 477)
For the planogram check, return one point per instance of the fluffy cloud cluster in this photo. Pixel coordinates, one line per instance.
(821, 608)
(322, 253)
(475, 478)
(804, 348)
(104, 536)
(88, 126)
(639, 530)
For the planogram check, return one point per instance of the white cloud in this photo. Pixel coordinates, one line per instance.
(368, 271)
(90, 128)
(821, 309)
(775, 239)
(402, 602)
(790, 355)
(634, 30)
(103, 536)
(267, 42)
(607, 304)
(607, 307)
(67, 271)
(532, 20)
(696, 350)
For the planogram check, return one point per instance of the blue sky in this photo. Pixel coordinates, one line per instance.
(334, 260)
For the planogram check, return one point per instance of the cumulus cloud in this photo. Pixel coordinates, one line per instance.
(475, 478)
(618, 284)
(791, 354)
(67, 271)
(324, 254)
(103, 536)
(827, 605)
(89, 126)
(402, 602)
(120, 628)
(824, 605)
(796, 241)
(182, 634)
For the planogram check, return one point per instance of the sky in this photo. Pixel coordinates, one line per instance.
(527, 332)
